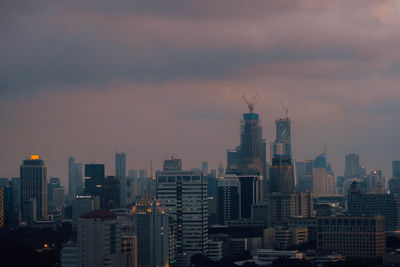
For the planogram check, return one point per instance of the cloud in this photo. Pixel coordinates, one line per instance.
(156, 78)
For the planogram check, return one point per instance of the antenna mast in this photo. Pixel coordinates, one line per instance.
(251, 104)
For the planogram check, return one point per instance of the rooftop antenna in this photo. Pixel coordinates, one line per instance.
(251, 104)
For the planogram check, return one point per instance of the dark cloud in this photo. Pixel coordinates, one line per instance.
(156, 78)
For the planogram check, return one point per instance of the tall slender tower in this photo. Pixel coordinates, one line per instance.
(33, 173)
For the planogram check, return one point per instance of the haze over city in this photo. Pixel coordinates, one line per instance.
(155, 79)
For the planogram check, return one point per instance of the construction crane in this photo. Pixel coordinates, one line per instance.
(286, 110)
(251, 104)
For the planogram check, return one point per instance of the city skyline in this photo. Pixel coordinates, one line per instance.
(69, 99)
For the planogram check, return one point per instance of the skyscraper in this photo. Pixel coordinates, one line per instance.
(99, 239)
(396, 169)
(352, 166)
(228, 202)
(120, 173)
(111, 193)
(283, 143)
(281, 175)
(184, 195)
(151, 229)
(74, 177)
(320, 176)
(250, 157)
(94, 179)
(33, 173)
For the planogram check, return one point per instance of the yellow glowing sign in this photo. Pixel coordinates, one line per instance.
(34, 157)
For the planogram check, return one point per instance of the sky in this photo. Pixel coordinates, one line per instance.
(156, 79)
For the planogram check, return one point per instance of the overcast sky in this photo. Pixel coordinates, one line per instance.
(160, 78)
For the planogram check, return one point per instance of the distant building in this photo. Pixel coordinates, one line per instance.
(396, 168)
(284, 206)
(352, 166)
(120, 172)
(111, 193)
(184, 196)
(151, 229)
(361, 203)
(304, 173)
(353, 236)
(99, 240)
(228, 199)
(281, 175)
(74, 178)
(283, 144)
(81, 205)
(33, 173)
(94, 179)
(322, 180)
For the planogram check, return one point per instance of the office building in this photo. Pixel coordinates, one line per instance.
(394, 185)
(99, 240)
(111, 193)
(322, 181)
(151, 229)
(396, 169)
(304, 173)
(74, 178)
(284, 206)
(184, 195)
(204, 168)
(251, 192)
(281, 175)
(81, 205)
(352, 166)
(94, 179)
(129, 250)
(228, 199)
(33, 173)
(361, 203)
(283, 144)
(120, 172)
(352, 236)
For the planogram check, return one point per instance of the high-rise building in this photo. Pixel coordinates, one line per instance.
(184, 195)
(120, 172)
(99, 239)
(283, 206)
(81, 205)
(281, 177)
(74, 177)
(396, 169)
(94, 179)
(251, 192)
(204, 168)
(151, 229)
(322, 181)
(352, 166)
(250, 158)
(111, 193)
(33, 173)
(228, 199)
(304, 172)
(283, 144)
(51, 189)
